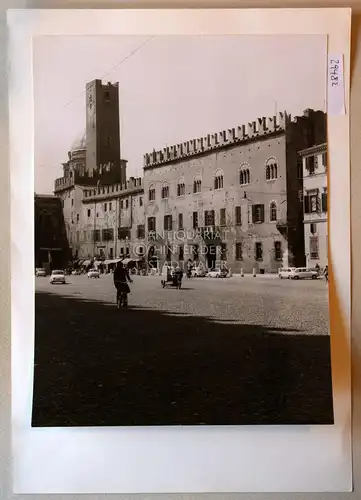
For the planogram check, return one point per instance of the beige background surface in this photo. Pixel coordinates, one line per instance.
(5, 461)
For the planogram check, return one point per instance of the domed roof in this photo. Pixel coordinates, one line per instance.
(79, 143)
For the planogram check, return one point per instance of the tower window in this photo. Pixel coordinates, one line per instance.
(107, 96)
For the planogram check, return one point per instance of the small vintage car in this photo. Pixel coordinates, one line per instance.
(57, 276)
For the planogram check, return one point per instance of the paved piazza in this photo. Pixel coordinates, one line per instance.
(223, 351)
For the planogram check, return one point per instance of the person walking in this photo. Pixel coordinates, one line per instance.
(325, 273)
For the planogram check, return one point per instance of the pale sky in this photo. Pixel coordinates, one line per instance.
(172, 89)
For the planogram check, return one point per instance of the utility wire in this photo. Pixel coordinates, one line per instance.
(113, 68)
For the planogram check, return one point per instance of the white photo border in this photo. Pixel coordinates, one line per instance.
(174, 459)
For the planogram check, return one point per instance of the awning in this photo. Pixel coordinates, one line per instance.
(127, 261)
(107, 262)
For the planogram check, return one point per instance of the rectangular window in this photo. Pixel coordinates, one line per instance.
(140, 201)
(278, 250)
(105, 207)
(239, 251)
(209, 218)
(167, 222)
(151, 195)
(108, 234)
(72, 202)
(126, 203)
(222, 217)
(238, 216)
(111, 253)
(89, 212)
(110, 206)
(181, 252)
(180, 221)
(96, 235)
(169, 253)
(324, 201)
(151, 224)
(84, 236)
(123, 233)
(195, 251)
(195, 220)
(223, 251)
(122, 251)
(259, 251)
(314, 247)
(324, 159)
(121, 204)
(310, 164)
(77, 217)
(257, 214)
(140, 231)
(313, 203)
(127, 254)
(299, 168)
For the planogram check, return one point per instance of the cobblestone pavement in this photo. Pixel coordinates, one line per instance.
(218, 351)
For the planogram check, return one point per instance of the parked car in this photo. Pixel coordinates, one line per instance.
(285, 272)
(302, 273)
(93, 273)
(198, 272)
(218, 273)
(40, 272)
(57, 276)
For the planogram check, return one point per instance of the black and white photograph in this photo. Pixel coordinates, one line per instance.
(181, 231)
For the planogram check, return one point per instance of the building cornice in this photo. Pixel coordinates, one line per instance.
(318, 148)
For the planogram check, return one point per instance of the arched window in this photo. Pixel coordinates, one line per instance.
(218, 180)
(268, 173)
(197, 185)
(151, 193)
(244, 174)
(165, 191)
(273, 212)
(271, 169)
(181, 188)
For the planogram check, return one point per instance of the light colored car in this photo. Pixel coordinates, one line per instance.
(285, 272)
(303, 273)
(57, 276)
(217, 273)
(40, 272)
(93, 273)
(199, 272)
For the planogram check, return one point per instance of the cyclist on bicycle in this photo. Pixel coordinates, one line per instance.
(121, 278)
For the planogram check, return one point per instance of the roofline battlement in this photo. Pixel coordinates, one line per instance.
(262, 127)
(132, 186)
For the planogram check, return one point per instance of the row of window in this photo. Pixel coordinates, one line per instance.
(244, 179)
(108, 207)
(258, 251)
(258, 216)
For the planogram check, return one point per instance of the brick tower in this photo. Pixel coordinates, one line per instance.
(103, 132)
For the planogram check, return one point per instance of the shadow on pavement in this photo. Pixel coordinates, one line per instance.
(96, 365)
